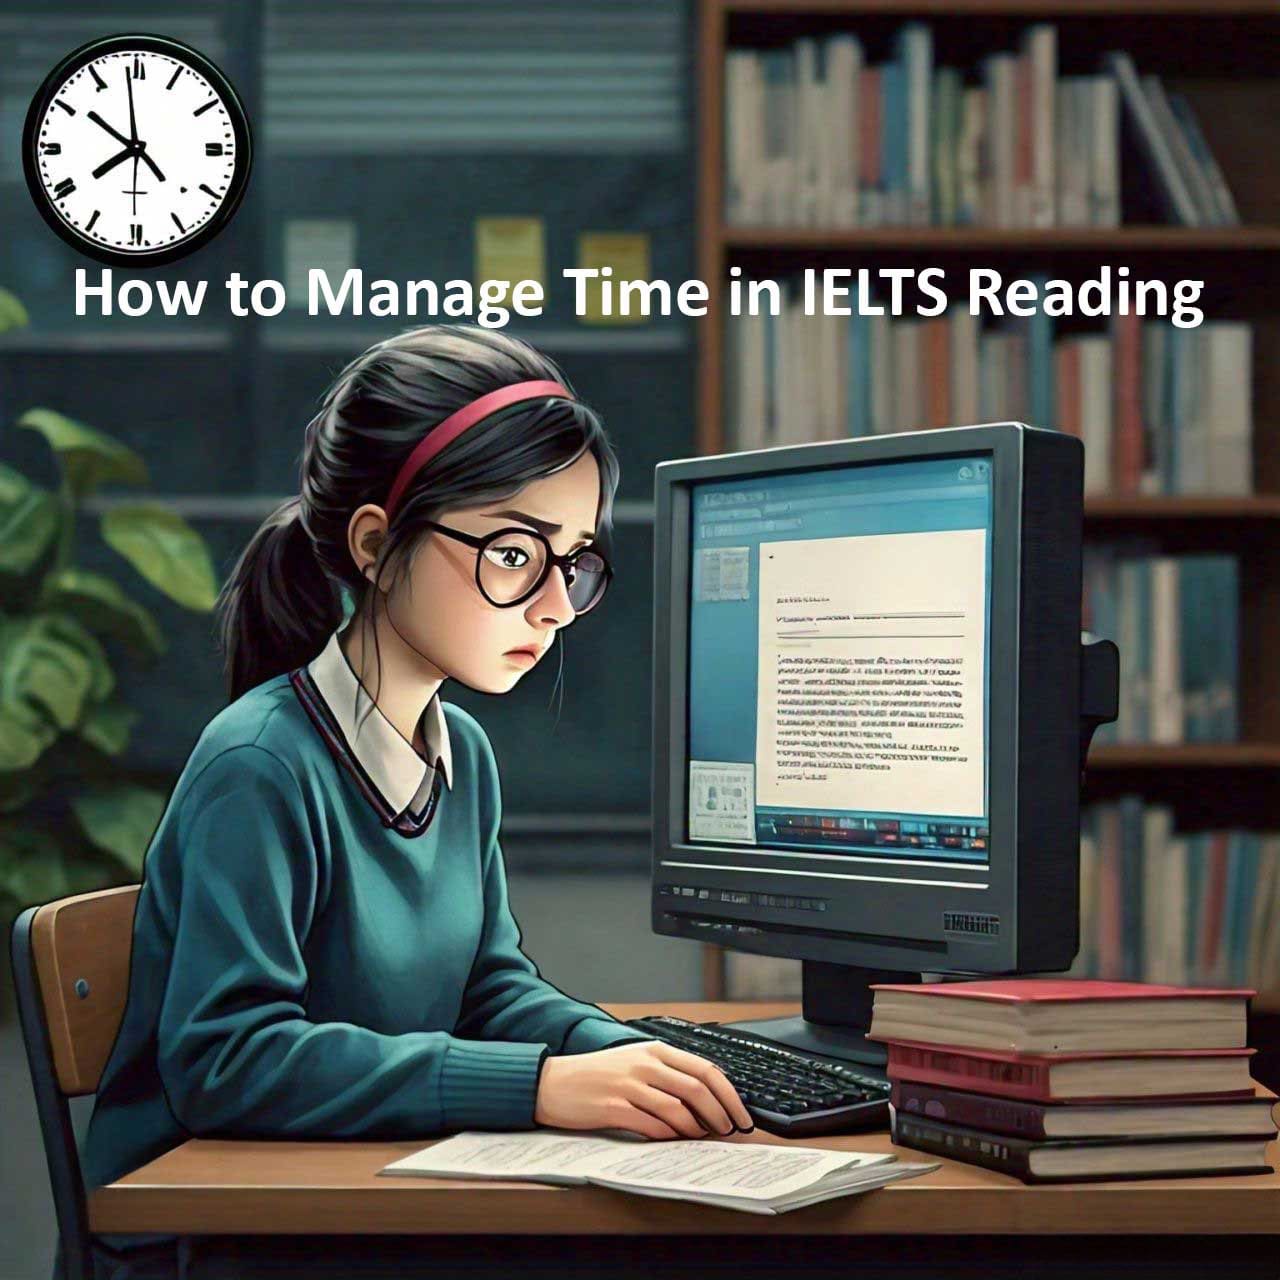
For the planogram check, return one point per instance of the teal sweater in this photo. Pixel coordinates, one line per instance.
(302, 971)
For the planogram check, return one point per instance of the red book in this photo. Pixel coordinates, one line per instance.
(1023, 161)
(1127, 444)
(1068, 362)
(1060, 1015)
(1066, 1077)
(937, 378)
(1045, 1121)
(869, 118)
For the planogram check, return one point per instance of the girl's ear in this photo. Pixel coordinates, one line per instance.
(366, 533)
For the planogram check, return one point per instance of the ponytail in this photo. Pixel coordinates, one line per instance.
(278, 607)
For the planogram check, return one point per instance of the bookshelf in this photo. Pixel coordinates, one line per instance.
(1213, 52)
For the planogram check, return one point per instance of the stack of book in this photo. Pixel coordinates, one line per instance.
(1054, 1080)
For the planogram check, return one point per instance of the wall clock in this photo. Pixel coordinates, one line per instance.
(136, 149)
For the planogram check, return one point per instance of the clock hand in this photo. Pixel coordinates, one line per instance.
(135, 184)
(108, 165)
(115, 133)
(155, 168)
(133, 124)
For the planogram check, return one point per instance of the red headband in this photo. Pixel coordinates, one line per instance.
(457, 422)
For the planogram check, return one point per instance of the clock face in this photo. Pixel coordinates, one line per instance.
(136, 150)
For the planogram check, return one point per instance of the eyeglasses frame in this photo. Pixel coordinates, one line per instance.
(554, 560)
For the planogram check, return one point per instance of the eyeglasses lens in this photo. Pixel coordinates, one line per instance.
(513, 564)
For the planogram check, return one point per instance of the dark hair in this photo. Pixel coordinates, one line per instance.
(284, 597)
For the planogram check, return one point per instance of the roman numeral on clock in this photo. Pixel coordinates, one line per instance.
(173, 79)
(51, 148)
(135, 233)
(88, 226)
(199, 111)
(64, 188)
(213, 148)
(178, 223)
(139, 69)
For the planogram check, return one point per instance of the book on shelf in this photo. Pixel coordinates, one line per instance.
(1161, 905)
(1042, 1121)
(817, 135)
(1098, 1077)
(1176, 621)
(1083, 1159)
(1160, 409)
(752, 1177)
(1059, 1015)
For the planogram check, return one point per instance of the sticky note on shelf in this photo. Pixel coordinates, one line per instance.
(627, 253)
(510, 249)
(320, 244)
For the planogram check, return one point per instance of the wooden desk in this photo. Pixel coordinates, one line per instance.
(307, 1188)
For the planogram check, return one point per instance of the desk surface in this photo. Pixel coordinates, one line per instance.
(213, 1187)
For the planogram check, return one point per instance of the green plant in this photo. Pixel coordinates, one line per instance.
(71, 819)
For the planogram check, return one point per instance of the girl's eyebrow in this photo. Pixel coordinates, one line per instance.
(546, 527)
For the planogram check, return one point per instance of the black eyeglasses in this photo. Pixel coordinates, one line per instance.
(512, 565)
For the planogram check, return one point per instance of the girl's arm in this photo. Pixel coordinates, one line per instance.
(506, 998)
(236, 1052)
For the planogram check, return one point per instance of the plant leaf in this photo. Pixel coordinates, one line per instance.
(16, 789)
(13, 315)
(29, 521)
(120, 820)
(102, 605)
(32, 866)
(107, 727)
(166, 550)
(47, 668)
(23, 739)
(88, 457)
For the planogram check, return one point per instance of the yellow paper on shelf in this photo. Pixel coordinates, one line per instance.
(627, 253)
(510, 249)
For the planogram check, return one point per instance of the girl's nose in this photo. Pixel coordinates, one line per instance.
(551, 604)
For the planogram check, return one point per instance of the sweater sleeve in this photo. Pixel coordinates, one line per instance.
(506, 997)
(236, 1052)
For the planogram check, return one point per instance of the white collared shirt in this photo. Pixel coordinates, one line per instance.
(401, 775)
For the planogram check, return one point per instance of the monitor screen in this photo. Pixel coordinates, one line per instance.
(839, 634)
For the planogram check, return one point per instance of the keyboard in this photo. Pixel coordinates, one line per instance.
(789, 1093)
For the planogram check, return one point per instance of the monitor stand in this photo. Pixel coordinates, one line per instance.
(837, 1003)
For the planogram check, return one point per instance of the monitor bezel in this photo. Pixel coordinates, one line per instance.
(1003, 443)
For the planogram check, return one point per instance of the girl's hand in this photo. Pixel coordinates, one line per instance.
(648, 1087)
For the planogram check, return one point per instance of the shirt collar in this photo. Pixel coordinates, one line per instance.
(395, 768)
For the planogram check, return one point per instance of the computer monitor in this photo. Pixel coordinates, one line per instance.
(867, 711)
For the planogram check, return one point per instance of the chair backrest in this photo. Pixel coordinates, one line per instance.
(81, 947)
(71, 971)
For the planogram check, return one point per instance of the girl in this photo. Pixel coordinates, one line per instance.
(323, 946)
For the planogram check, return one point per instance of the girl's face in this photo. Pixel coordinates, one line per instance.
(438, 609)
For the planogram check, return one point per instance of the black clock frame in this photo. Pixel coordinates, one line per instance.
(197, 61)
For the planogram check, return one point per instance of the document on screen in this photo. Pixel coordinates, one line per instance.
(870, 691)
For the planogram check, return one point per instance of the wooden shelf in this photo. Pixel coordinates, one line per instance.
(1014, 8)
(1140, 507)
(1185, 755)
(1105, 240)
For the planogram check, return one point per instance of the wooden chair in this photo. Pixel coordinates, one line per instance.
(71, 970)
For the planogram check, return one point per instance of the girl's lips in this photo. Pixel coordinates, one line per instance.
(528, 652)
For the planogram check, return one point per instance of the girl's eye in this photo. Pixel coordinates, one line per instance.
(508, 557)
